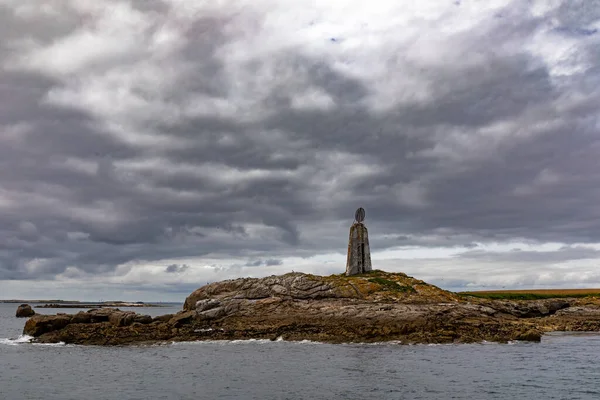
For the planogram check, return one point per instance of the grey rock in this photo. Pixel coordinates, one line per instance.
(221, 309)
(207, 304)
(292, 285)
(579, 311)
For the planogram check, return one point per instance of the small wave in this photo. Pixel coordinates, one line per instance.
(59, 344)
(279, 339)
(17, 341)
(383, 343)
(305, 341)
(27, 339)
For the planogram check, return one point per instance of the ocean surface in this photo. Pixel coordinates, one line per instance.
(562, 366)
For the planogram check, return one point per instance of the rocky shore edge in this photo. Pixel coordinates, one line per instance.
(373, 307)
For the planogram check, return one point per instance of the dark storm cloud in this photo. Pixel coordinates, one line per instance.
(176, 268)
(500, 150)
(271, 262)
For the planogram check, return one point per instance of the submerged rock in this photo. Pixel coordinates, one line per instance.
(532, 335)
(24, 311)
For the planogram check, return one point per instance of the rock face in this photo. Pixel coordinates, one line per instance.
(105, 326)
(372, 307)
(25, 311)
(359, 253)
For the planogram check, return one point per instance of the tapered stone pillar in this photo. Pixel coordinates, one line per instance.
(359, 255)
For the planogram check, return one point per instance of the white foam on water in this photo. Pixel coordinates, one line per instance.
(26, 339)
(59, 344)
(17, 341)
(243, 341)
(279, 339)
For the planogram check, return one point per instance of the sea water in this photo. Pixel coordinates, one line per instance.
(562, 366)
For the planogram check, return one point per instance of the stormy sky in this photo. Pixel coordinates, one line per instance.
(150, 146)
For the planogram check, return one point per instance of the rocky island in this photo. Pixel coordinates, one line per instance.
(374, 306)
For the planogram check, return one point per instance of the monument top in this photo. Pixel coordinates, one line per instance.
(359, 215)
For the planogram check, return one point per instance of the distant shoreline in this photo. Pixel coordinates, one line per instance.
(85, 304)
(97, 305)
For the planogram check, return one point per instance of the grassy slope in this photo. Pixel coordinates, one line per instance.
(388, 286)
(533, 294)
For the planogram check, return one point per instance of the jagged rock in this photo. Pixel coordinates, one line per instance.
(126, 318)
(121, 318)
(207, 304)
(101, 314)
(581, 311)
(530, 308)
(163, 318)
(25, 311)
(81, 317)
(228, 308)
(40, 324)
(293, 285)
(182, 318)
(142, 319)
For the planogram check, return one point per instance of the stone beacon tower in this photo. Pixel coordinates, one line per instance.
(359, 255)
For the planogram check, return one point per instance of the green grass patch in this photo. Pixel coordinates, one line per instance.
(526, 296)
(391, 285)
(366, 274)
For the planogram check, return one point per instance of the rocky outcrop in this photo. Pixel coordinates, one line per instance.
(24, 311)
(530, 308)
(41, 324)
(106, 326)
(374, 286)
(372, 307)
(289, 286)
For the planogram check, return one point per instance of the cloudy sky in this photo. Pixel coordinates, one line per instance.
(150, 146)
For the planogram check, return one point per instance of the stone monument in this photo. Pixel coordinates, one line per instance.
(359, 255)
